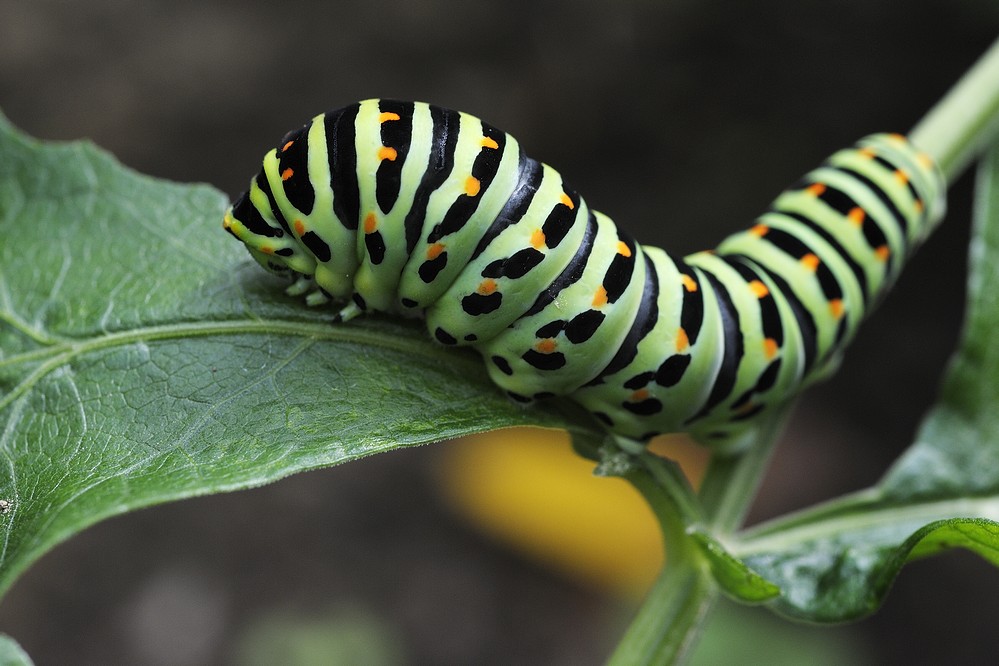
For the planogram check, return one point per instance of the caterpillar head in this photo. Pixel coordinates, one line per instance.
(270, 246)
(255, 244)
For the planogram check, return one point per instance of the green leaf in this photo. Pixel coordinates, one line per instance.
(837, 561)
(11, 654)
(145, 358)
(733, 575)
(834, 570)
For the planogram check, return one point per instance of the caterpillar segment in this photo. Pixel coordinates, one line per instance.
(419, 211)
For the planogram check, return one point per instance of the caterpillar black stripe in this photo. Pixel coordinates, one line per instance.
(416, 210)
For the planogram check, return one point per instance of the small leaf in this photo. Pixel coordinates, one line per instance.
(145, 358)
(737, 579)
(836, 562)
(833, 577)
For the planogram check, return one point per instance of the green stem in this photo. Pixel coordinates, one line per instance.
(667, 626)
(962, 124)
(668, 623)
(731, 481)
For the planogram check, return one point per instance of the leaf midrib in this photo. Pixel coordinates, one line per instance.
(58, 354)
(864, 518)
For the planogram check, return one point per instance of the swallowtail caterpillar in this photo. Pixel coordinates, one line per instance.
(415, 210)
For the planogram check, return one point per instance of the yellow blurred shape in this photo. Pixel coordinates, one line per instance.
(527, 488)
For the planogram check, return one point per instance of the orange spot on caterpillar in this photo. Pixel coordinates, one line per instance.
(370, 223)
(267, 249)
(486, 287)
(689, 284)
(901, 176)
(489, 142)
(472, 186)
(856, 215)
(816, 189)
(925, 160)
(810, 262)
(600, 297)
(759, 230)
(567, 201)
(387, 115)
(897, 137)
(639, 395)
(287, 146)
(770, 348)
(836, 307)
(623, 249)
(866, 152)
(538, 239)
(919, 205)
(682, 341)
(434, 251)
(299, 227)
(882, 253)
(387, 153)
(287, 173)
(758, 288)
(546, 346)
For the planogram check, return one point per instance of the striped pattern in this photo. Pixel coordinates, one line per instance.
(415, 210)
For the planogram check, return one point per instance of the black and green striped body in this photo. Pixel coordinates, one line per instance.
(415, 210)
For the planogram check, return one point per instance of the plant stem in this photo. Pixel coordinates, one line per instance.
(668, 623)
(962, 124)
(731, 481)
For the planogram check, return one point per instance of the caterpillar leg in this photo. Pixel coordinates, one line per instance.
(348, 312)
(301, 285)
(306, 285)
(317, 297)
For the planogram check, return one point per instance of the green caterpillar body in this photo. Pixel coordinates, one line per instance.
(416, 210)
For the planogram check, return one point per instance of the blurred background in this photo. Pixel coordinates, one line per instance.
(681, 120)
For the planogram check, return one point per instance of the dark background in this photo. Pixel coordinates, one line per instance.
(680, 119)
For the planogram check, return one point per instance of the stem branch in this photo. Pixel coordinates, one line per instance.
(669, 621)
(962, 124)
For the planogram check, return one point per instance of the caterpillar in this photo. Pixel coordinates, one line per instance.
(415, 210)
